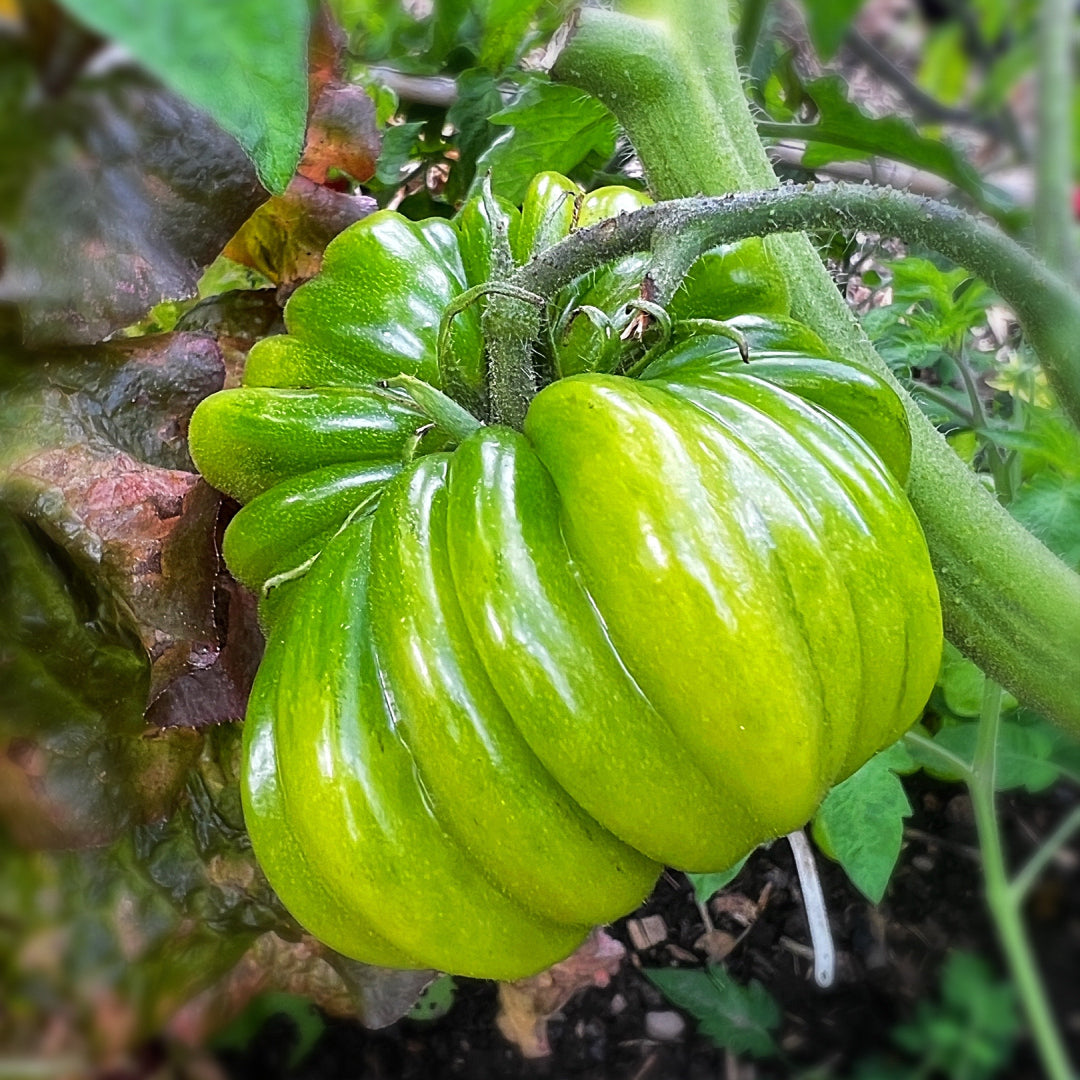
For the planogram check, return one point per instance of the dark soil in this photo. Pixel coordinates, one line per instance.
(889, 959)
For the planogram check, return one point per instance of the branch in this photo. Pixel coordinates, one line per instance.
(1048, 309)
(925, 106)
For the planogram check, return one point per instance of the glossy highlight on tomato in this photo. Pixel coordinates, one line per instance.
(510, 676)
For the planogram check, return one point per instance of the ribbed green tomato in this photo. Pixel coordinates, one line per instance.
(653, 629)
(510, 678)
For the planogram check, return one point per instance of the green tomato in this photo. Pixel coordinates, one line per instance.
(653, 629)
(507, 680)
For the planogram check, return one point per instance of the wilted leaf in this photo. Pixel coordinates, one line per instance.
(236, 319)
(285, 238)
(127, 195)
(341, 135)
(74, 767)
(94, 455)
(115, 940)
(378, 996)
(246, 66)
(526, 1005)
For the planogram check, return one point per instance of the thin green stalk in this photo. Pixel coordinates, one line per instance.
(1026, 878)
(1000, 897)
(1003, 485)
(1054, 224)
(948, 759)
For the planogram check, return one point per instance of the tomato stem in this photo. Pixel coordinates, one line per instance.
(451, 417)
(1004, 898)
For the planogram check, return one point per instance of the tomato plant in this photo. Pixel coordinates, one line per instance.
(587, 531)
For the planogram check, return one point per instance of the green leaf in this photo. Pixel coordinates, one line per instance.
(861, 821)
(478, 98)
(436, 1000)
(550, 127)
(398, 146)
(828, 21)
(244, 63)
(1025, 754)
(737, 1018)
(1049, 506)
(971, 1032)
(506, 23)
(707, 885)
(962, 685)
(306, 1019)
(843, 126)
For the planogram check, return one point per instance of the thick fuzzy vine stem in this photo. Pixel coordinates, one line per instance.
(671, 77)
(1048, 308)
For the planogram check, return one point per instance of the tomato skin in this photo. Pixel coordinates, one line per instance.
(507, 680)
(543, 644)
(294, 520)
(246, 440)
(374, 311)
(349, 798)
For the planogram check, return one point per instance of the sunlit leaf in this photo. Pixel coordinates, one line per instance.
(550, 127)
(95, 455)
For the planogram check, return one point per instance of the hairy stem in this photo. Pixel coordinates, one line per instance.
(671, 78)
